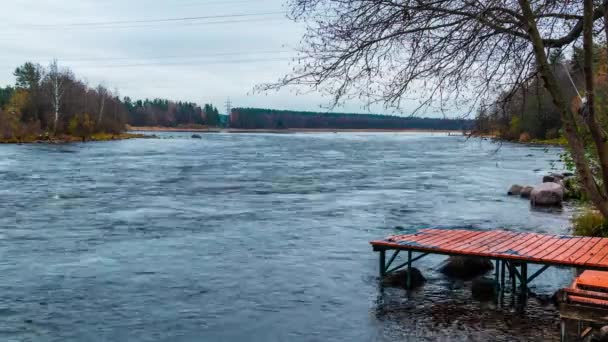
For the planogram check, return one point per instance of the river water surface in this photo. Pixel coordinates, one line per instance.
(240, 237)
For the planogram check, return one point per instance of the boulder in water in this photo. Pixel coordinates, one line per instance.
(196, 136)
(549, 179)
(547, 194)
(526, 191)
(461, 267)
(399, 279)
(515, 190)
(483, 289)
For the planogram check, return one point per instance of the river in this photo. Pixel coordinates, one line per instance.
(261, 237)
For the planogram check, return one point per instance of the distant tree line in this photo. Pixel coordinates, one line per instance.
(258, 118)
(166, 113)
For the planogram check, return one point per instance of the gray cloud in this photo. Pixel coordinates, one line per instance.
(200, 60)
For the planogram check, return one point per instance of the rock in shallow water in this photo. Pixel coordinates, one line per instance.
(465, 267)
(483, 289)
(399, 279)
(526, 191)
(196, 136)
(515, 190)
(547, 194)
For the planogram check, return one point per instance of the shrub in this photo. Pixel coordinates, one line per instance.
(590, 223)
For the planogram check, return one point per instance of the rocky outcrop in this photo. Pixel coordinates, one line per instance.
(547, 194)
(515, 190)
(526, 191)
(553, 178)
(466, 267)
(399, 279)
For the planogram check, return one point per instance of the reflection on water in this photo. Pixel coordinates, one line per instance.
(236, 237)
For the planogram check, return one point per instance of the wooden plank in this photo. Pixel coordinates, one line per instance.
(560, 241)
(453, 244)
(588, 301)
(583, 251)
(499, 249)
(496, 239)
(595, 279)
(552, 242)
(448, 245)
(586, 293)
(596, 249)
(466, 245)
(598, 259)
(533, 241)
(571, 241)
(563, 257)
(437, 239)
(512, 251)
(535, 247)
(583, 313)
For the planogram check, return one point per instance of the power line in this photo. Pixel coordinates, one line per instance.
(148, 21)
(200, 63)
(193, 55)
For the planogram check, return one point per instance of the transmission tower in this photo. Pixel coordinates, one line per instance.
(228, 107)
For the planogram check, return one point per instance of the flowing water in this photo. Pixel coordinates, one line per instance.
(240, 237)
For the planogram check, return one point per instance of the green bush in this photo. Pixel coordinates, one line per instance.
(590, 223)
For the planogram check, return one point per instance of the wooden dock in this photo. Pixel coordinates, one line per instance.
(512, 252)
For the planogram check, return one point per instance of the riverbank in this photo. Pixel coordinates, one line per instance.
(284, 131)
(64, 139)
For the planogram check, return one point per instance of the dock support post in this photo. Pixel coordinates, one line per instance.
(497, 275)
(502, 275)
(513, 280)
(524, 280)
(409, 270)
(382, 263)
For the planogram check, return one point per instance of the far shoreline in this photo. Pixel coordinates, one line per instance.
(285, 131)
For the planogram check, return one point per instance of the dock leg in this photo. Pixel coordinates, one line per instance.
(382, 263)
(502, 275)
(563, 332)
(409, 270)
(524, 280)
(513, 280)
(497, 275)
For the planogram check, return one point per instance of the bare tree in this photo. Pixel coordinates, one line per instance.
(57, 90)
(451, 55)
(102, 92)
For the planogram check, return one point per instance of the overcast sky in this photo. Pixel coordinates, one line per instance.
(114, 42)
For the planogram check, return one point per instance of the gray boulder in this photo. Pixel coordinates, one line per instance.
(399, 279)
(483, 289)
(547, 194)
(550, 179)
(526, 191)
(466, 267)
(515, 190)
(196, 136)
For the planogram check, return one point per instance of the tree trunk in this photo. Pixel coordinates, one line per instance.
(599, 138)
(570, 126)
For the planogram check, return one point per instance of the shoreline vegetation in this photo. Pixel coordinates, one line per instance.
(66, 139)
(286, 130)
